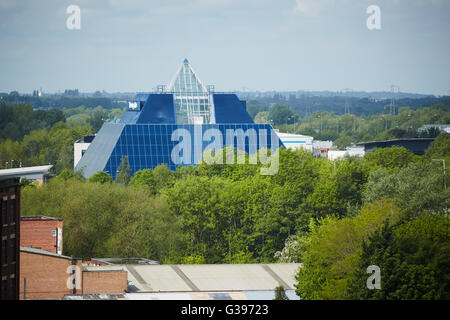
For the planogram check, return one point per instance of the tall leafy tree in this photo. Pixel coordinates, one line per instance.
(144, 178)
(417, 188)
(332, 251)
(100, 177)
(124, 174)
(413, 259)
(281, 113)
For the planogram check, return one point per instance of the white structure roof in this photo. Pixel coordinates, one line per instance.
(293, 136)
(350, 151)
(24, 172)
(295, 141)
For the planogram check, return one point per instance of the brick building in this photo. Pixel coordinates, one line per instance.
(10, 225)
(104, 282)
(42, 232)
(9, 237)
(47, 275)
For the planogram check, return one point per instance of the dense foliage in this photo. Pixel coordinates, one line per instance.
(36, 137)
(413, 257)
(18, 121)
(44, 146)
(336, 218)
(346, 129)
(389, 208)
(403, 228)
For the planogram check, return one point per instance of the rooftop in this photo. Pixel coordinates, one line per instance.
(118, 261)
(39, 218)
(20, 172)
(43, 252)
(207, 277)
(394, 140)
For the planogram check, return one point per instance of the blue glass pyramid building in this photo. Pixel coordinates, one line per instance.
(146, 131)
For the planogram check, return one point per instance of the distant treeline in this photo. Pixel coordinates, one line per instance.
(306, 105)
(30, 137)
(348, 129)
(19, 120)
(60, 101)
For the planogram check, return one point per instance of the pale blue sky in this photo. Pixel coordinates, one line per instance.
(135, 45)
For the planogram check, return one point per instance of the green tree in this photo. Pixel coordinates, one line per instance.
(281, 113)
(440, 147)
(280, 293)
(197, 201)
(100, 177)
(97, 119)
(144, 178)
(332, 252)
(417, 188)
(413, 260)
(253, 109)
(88, 210)
(11, 154)
(194, 259)
(67, 174)
(124, 174)
(262, 117)
(146, 228)
(390, 158)
(163, 177)
(108, 220)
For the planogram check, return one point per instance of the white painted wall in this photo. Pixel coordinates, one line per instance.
(78, 149)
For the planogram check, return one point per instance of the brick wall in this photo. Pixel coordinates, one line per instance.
(38, 234)
(104, 282)
(46, 276)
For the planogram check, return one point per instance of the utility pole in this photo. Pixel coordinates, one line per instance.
(347, 107)
(394, 91)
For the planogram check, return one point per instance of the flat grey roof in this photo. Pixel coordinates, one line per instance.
(207, 277)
